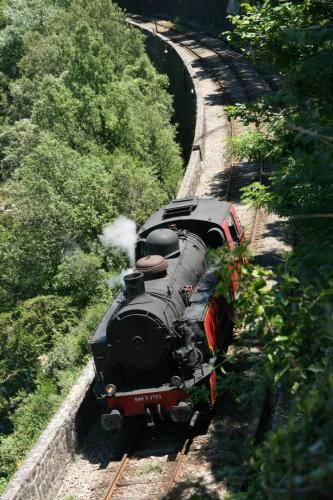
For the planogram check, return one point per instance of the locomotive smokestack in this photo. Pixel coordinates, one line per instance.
(135, 285)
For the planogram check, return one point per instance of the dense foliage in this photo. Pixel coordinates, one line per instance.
(294, 318)
(293, 322)
(85, 135)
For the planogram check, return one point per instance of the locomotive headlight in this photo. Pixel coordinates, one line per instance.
(176, 381)
(110, 389)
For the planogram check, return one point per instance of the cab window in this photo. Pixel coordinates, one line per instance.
(233, 229)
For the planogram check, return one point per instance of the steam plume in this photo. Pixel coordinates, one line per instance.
(121, 234)
(118, 280)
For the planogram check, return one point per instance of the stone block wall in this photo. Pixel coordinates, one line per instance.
(167, 61)
(188, 104)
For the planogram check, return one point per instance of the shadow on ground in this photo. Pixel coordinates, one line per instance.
(214, 465)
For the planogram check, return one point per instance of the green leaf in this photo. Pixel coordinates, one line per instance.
(281, 338)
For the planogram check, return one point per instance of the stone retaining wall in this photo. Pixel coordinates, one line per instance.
(42, 470)
(167, 61)
(189, 106)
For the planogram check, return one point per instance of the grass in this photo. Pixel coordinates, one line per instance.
(154, 467)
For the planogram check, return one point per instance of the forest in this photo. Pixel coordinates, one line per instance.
(293, 320)
(85, 135)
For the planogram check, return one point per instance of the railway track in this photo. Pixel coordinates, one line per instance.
(199, 43)
(157, 479)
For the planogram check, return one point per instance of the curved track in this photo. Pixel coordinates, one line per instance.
(163, 467)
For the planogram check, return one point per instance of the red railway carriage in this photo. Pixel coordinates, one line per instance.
(164, 332)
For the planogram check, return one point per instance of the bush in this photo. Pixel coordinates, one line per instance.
(63, 362)
(81, 277)
(57, 368)
(297, 460)
(28, 422)
(292, 320)
(25, 335)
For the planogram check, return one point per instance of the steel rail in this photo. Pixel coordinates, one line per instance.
(219, 53)
(112, 486)
(255, 225)
(179, 461)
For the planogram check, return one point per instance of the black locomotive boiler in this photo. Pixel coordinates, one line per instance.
(163, 334)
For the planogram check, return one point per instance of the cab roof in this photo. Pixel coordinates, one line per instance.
(200, 209)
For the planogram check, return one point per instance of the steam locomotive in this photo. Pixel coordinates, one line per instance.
(163, 334)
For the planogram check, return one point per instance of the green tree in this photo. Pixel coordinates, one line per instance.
(25, 335)
(16, 142)
(137, 192)
(63, 200)
(19, 17)
(80, 276)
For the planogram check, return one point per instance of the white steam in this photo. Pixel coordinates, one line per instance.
(118, 280)
(121, 234)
